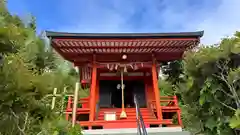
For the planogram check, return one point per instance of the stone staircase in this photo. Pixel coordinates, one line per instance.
(131, 113)
(129, 122)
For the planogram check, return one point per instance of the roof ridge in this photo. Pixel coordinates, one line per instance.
(54, 34)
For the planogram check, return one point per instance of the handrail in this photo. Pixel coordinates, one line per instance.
(140, 123)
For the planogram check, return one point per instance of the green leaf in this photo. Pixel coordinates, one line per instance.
(234, 122)
(211, 123)
(55, 133)
(237, 113)
(202, 100)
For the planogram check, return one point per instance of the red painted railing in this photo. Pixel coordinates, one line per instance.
(168, 104)
(84, 102)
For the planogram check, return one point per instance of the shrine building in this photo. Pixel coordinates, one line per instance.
(115, 68)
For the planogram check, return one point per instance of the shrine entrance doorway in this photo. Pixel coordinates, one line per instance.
(110, 93)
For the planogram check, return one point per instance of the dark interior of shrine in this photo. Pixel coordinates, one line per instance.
(111, 93)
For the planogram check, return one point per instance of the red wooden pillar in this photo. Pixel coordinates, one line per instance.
(93, 90)
(69, 107)
(97, 91)
(156, 89)
(178, 112)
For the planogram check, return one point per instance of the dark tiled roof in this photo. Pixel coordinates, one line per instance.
(52, 34)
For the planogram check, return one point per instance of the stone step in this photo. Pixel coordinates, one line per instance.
(133, 131)
(120, 124)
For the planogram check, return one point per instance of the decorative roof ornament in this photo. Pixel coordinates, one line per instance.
(111, 67)
(135, 67)
(116, 66)
(125, 69)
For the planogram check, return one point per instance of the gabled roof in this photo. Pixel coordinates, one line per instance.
(108, 47)
(52, 34)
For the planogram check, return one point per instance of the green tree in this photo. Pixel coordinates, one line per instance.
(28, 72)
(210, 91)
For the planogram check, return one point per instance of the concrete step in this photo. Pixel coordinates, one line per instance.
(133, 131)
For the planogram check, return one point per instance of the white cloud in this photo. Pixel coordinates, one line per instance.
(218, 21)
(224, 21)
(218, 18)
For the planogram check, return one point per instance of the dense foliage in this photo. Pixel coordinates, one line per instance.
(207, 82)
(29, 70)
(209, 89)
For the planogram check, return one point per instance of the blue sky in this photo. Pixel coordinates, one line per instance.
(218, 18)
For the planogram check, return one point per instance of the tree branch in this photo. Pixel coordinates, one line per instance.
(40, 133)
(229, 107)
(226, 93)
(25, 121)
(200, 130)
(22, 130)
(232, 90)
(14, 114)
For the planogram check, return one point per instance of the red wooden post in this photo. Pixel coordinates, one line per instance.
(156, 90)
(68, 107)
(178, 111)
(93, 90)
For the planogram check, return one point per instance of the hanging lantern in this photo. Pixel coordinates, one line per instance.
(124, 56)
